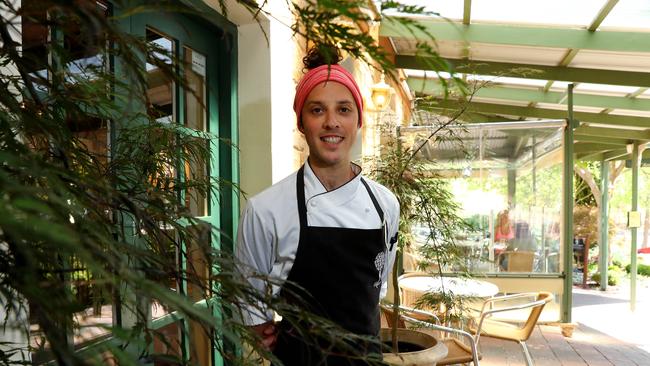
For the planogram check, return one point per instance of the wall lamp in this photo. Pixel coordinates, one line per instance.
(380, 93)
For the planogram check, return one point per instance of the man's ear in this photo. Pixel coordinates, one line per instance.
(301, 128)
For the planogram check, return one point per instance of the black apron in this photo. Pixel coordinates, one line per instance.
(340, 269)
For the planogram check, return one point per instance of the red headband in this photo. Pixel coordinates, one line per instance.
(326, 73)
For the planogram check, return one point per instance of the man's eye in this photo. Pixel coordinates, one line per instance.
(345, 109)
(317, 110)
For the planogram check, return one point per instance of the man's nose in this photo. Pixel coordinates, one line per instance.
(331, 120)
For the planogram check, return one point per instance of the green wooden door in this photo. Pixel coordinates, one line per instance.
(205, 54)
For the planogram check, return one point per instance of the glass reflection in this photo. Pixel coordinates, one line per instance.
(160, 91)
(195, 93)
(508, 183)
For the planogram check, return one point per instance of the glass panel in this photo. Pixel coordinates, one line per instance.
(629, 14)
(93, 134)
(198, 262)
(170, 254)
(196, 170)
(35, 38)
(198, 288)
(160, 92)
(94, 298)
(84, 47)
(508, 183)
(167, 341)
(195, 94)
(195, 118)
(574, 12)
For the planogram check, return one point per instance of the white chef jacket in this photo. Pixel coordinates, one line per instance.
(269, 228)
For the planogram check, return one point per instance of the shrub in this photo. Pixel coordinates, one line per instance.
(612, 278)
(617, 263)
(642, 269)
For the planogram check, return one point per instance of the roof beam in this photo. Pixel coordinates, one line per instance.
(529, 71)
(579, 148)
(602, 14)
(519, 35)
(613, 142)
(614, 133)
(467, 12)
(536, 112)
(432, 86)
(617, 154)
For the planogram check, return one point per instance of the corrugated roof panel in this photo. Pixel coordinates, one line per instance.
(519, 54)
(500, 101)
(628, 61)
(565, 12)
(629, 14)
(627, 112)
(616, 90)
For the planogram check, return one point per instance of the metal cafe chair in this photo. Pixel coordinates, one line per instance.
(459, 352)
(486, 327)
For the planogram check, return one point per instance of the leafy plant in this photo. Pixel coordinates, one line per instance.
(120, 216)
(425, 200)
(612, 278)
(641, 269)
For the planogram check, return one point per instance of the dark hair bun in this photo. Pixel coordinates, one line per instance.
(322, 54)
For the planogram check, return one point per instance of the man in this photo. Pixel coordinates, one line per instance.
(324, 229)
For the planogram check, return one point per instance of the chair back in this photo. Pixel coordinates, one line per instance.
(413, 274)
(389, 313)
(535, 312)
(409, 297)
(409, 262)
(519, 261)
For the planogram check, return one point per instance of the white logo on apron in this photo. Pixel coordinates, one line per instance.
(380, 262)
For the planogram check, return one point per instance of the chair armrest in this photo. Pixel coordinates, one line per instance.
(420, 312)
(485, 313)
(494, 299)
(462, 333)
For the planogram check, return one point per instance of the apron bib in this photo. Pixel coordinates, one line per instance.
(337, 275)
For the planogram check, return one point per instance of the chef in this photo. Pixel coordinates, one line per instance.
(325, 231)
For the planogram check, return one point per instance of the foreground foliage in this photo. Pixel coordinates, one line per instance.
(116, 220)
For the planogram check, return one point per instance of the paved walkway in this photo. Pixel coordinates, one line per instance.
(607, 333)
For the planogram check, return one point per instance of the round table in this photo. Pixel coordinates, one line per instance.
(415, 286)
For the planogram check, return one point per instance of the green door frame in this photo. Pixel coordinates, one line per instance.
(209, 33)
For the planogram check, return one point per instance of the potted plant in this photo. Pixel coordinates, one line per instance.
(424, 200)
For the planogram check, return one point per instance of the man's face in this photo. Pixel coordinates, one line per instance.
(330, 120)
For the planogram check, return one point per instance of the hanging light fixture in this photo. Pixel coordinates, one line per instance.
(380, 93)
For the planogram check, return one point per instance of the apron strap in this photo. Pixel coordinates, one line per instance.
(374, 201)
(300, 191)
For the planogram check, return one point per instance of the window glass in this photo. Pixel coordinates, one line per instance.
(34, 41)
(508, 183)
(92, 294)
(160, 91)
(195, 93)
(84, 47)
(195, 117)
(199, 267)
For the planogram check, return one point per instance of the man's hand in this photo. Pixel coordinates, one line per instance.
(268, 332)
